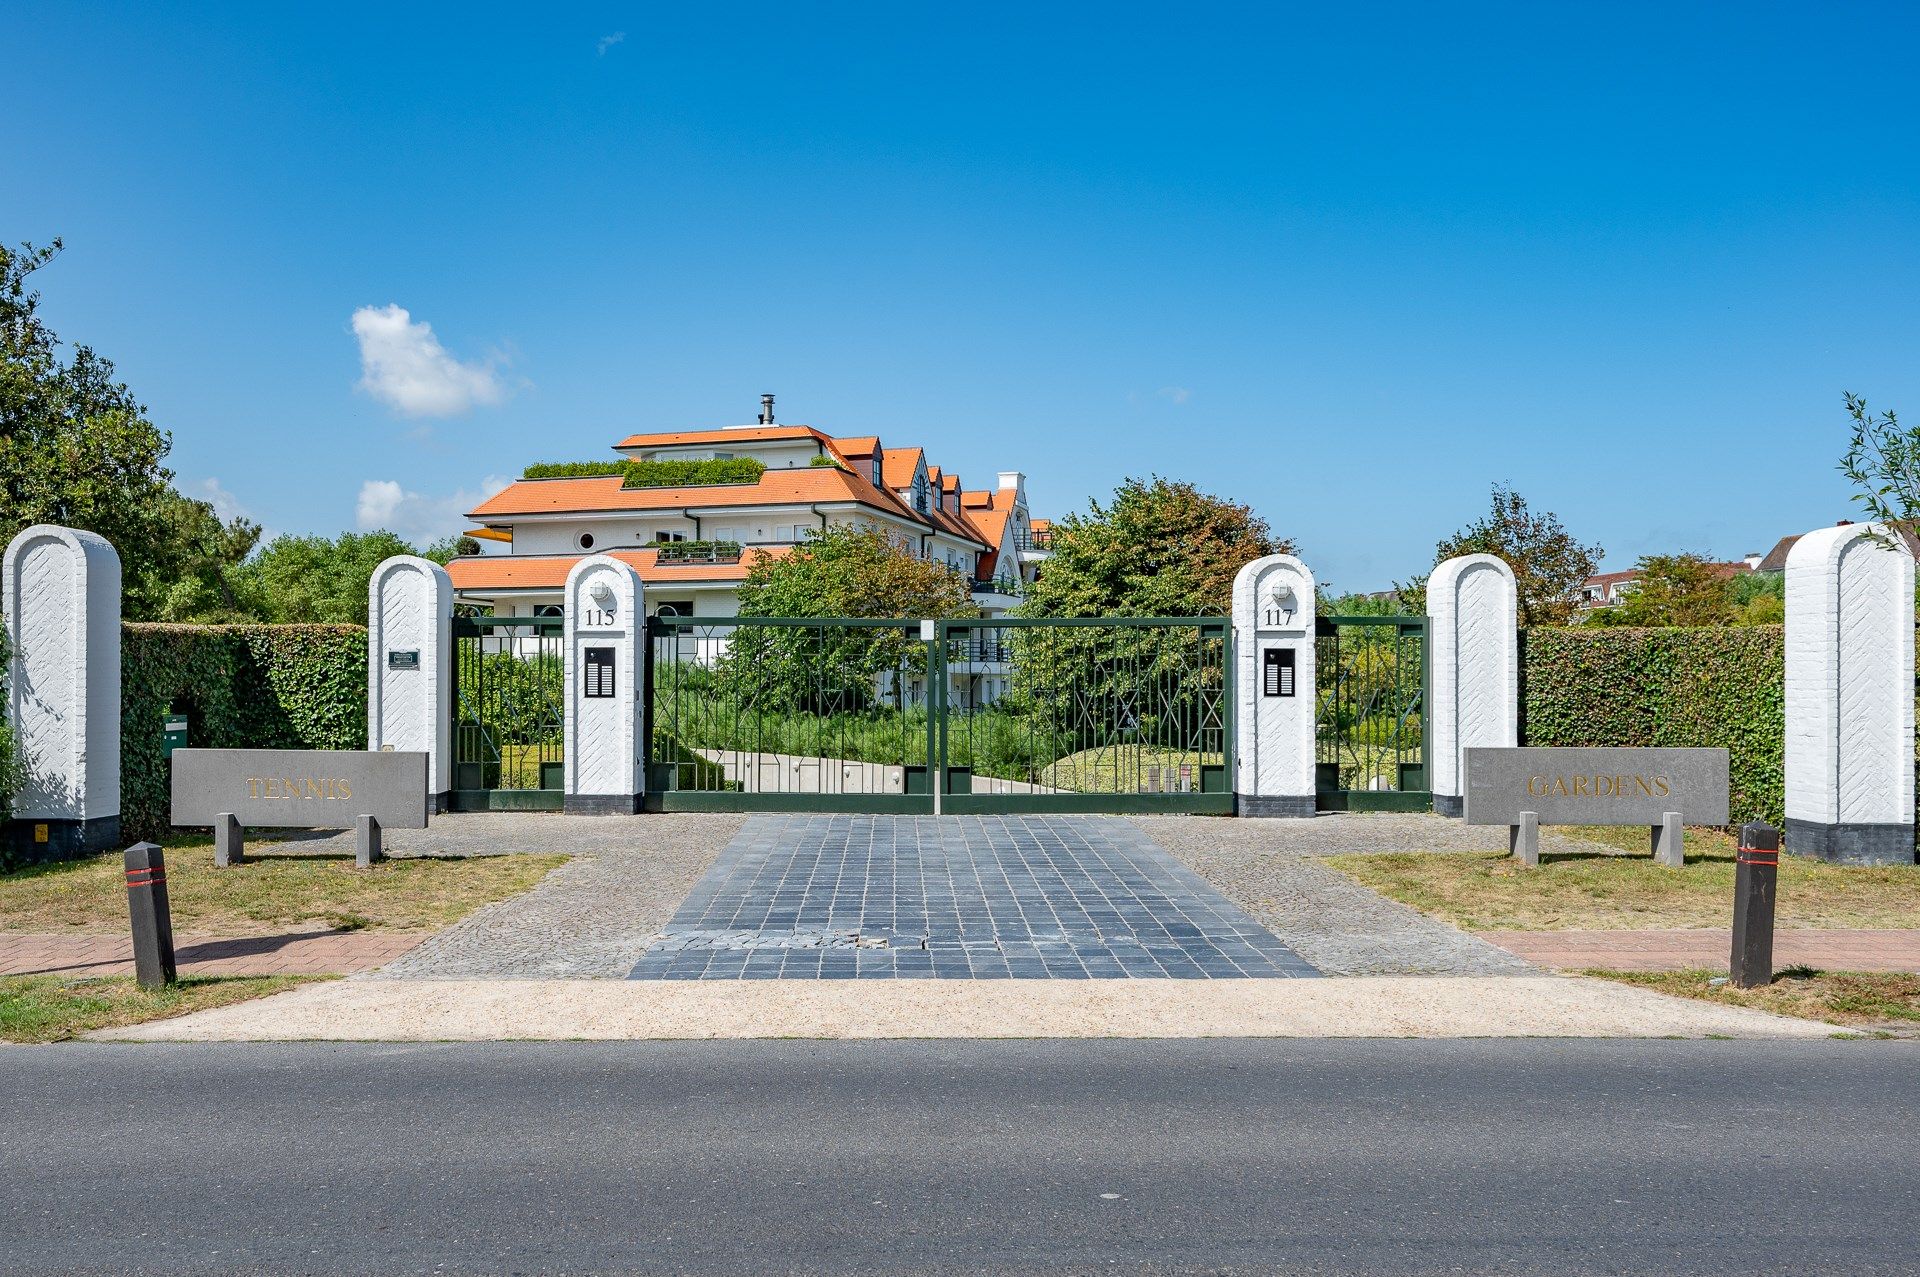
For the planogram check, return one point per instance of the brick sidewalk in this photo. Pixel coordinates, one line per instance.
(1679, 950)
(300, 953)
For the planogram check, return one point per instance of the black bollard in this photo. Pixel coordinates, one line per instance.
(1754, 879)
(152, 920)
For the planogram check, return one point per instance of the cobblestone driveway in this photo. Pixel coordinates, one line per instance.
(1082, 897)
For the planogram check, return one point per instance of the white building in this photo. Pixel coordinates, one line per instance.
(693, 544)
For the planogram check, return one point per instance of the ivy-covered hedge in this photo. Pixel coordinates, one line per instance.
(242, 687)
(1722, 686)
(653, 474)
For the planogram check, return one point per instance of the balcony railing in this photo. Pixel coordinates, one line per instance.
(673, 554)
(1012, 586)
(1041, 540)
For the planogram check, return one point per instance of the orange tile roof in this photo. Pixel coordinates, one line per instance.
(478, 573)
(744, 434)
(863, 446)
(988, 523)
(1040, 525)
(897, 466)
(601, 494)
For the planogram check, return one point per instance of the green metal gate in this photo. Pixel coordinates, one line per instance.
(1371, 730)
(508, 713)
(956, 716)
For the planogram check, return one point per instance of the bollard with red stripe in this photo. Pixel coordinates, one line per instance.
(1754, 874)
(152, 920)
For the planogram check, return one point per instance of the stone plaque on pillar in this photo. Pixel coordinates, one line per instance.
(605, 748)
(1273, 615)
(1849, 696)
(1473, 637)
(60, 590)
(410, 666)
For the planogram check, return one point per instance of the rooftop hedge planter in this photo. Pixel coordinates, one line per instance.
(654, 474)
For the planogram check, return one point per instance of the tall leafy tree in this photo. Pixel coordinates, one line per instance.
(302, 579)
(1674, 589)
(1161, 547)
(77, 448)
(841, 572)
(1548, 564)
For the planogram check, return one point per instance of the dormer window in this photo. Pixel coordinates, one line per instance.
(920, 493)
(876, 469)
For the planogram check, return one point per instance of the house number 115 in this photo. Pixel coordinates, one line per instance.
(594, 617)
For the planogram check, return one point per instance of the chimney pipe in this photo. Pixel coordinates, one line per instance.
(766, 410)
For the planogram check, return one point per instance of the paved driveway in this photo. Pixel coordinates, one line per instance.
(987, 897)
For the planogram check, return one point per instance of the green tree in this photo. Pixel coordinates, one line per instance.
(1160, 548)
(1883, 460)
(841, 572)
(1674, 589)
(315, 579)
(77, 449)
(1548, 564)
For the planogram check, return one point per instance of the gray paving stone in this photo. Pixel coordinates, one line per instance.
(1057, 897)
(585, 919)
(1270, 868)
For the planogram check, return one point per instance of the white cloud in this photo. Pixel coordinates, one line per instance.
(1174, 394)
(403, 365)
(608, 41)
(385, 503)
(224, 503)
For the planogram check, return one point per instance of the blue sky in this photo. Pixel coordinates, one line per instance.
(1351, 264)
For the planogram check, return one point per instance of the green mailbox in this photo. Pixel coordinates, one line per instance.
(174, 735)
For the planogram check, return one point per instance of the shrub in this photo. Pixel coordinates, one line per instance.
(1717, 686)
(654, 474)
(242, 687)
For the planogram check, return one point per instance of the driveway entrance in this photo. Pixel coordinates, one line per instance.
(981, 897)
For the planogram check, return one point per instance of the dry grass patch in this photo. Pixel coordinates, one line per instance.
(45, 1008)
(268, 894)
(1605, 891)
(1877, 1001)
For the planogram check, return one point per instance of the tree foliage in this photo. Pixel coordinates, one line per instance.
(841, 572)
(315, 580)
(77, 449)
(1548, 564)
(1883, 460)
(1160, 548)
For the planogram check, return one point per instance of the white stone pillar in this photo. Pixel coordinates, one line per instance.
(1849, 697)
(60, 590)
(605, 627)
(410, 666)
(1473, 655)
(1273, 617)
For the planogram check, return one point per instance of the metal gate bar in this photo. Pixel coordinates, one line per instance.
(1371, 726)
(508, 713)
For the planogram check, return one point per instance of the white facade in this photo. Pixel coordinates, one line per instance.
(1273, 620)
(60, 590)
(1473, 622)
(1849, 696)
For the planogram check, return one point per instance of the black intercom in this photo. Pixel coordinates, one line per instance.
(1277, 672)
(599, 672)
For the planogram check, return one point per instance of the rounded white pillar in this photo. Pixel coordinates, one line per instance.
(1273, 617)
(1473, 698)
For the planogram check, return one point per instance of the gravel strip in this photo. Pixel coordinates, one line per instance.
(589, 917)
(1268, 868)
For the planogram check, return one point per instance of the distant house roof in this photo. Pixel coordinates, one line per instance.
(1775, 560)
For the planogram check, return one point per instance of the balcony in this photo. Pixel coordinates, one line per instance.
(1010, 586)
(680, 554)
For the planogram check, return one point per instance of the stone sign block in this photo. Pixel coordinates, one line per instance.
(300, 788)
(1598, 786)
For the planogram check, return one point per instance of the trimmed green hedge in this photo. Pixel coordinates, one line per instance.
(242, 687)
(1721, 686)
(654, 474)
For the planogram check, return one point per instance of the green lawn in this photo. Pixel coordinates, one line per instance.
(1488, 891)
(45, 1008)
(1876, 1001)
(269, 893)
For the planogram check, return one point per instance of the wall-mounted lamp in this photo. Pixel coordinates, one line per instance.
(1282, 603)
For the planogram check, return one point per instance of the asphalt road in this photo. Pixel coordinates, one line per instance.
(1533, 1156)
